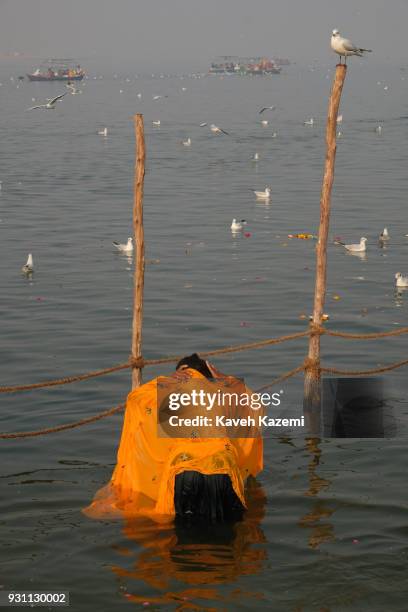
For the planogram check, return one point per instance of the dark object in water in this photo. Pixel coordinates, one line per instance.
(356, 408)
(202, 496)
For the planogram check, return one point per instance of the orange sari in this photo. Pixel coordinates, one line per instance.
(143, 480)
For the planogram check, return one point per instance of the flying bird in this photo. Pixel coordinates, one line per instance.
(73, 89)
(51, 102)
(344, 47)
(266, 108)
(125, 248)
(28, 267)
(217, 130)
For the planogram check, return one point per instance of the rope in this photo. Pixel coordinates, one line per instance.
(41, 432)
(139, 362)
(106, 413)
(392, 366)
(282, 378)
(64, 381)
(395, 332)
(306, 365)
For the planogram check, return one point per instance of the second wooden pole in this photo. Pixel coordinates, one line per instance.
(312, 376)
(139, 249)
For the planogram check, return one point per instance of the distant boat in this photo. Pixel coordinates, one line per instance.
(229, 64)
(57, 70)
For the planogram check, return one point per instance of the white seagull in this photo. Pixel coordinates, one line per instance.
(217, 130)
(309, 121)
(401, 281)
(125, 248)
(355, 248)
(74, 91)
(344, 47)
(50, 103)
(339, 119)
(263, 195)
(384, 235)
(264, 122)
(103, 132)
(255, 157)
(187, 143)
(157, 123)
(203, 124)
(236, 226)
(28, 268)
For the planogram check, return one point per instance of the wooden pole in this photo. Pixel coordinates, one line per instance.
(138, 232)
(312, 375)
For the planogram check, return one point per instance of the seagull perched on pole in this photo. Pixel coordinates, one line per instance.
(344, 47)
(51, 102)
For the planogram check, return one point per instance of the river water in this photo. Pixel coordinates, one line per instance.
(326, 529)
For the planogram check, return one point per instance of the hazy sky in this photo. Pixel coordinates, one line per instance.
(186, 34)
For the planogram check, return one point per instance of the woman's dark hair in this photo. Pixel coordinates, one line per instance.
(196, 363)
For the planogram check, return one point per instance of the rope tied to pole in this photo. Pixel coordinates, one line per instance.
(137, 362)
(313, 366)
(308, 364)
(140, 362)
(316, 329)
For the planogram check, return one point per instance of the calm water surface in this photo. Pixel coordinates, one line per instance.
(326, 529)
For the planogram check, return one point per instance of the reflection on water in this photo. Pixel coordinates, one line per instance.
(321, 530)
(360, 255)
(399, 296)
(195, 555)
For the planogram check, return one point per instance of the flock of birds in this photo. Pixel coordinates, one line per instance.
(344, 48)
